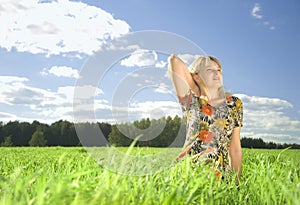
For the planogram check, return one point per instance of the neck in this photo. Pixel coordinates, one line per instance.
(213, 94)
(214, 97)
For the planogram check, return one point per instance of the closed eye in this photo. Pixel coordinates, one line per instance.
(210, 70)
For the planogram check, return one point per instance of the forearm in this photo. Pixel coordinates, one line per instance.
(236, 161)
(181, 76)
(235, 152)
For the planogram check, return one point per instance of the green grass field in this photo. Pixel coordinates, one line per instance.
(58, 175)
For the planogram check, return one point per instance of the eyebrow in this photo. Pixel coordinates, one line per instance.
(210, 67)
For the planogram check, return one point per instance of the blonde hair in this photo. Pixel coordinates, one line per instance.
(202, 61)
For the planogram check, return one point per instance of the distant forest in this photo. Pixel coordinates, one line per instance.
(63, 133)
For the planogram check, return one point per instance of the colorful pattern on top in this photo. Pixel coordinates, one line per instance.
(209, 129)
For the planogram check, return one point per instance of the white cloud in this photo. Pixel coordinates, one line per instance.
(56, 27)
(264, 103)
(163, 88)
(272, 27)
(266, 23)
(140, 58)
(264, 117)
(188, 59)
(134, 75)
(9, 84)
(161, 64)
(149, 109)
(267, 118)
(82, 92)
(14, 91)
(255, 11)
(12, 79)
(4, 116)
(26, 102)
(61, 71)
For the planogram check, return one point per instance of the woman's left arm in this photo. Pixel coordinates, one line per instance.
(235, 152)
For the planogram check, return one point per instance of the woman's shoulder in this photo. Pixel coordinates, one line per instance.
(234, 100)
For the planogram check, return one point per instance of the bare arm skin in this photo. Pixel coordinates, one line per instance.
(235, 152)
(181, 77)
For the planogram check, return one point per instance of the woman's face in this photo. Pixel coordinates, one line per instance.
(212, 75)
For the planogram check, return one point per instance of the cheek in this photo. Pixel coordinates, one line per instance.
(221, 79)
(207, 78)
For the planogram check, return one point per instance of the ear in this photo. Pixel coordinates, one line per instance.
(196, 77)
(199, 81)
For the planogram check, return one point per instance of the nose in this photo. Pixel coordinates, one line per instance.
(215, 72)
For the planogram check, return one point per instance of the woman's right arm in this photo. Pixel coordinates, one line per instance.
(181, 77)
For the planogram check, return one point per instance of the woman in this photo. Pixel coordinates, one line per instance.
(213, 118)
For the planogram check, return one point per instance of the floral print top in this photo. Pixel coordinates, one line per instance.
(209, 129)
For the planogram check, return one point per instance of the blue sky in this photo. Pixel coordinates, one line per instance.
(46, 45)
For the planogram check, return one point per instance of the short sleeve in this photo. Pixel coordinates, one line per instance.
(185, 101)
(239, 113)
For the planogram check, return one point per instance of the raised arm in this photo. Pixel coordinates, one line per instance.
(181, 77)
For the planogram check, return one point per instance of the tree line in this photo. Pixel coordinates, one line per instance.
(248, 142)
(148, 133)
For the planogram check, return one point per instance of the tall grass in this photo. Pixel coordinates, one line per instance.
(69, 176)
